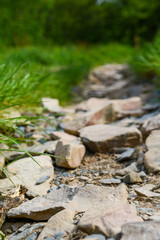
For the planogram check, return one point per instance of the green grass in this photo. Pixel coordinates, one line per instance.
(146, 61)
(27, 74)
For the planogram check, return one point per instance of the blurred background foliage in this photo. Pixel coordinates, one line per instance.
(28, 22)
(49, 46)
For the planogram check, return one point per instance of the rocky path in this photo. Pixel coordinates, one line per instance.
(103, 181)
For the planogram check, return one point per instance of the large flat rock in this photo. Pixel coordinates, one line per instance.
(27, 172)
(42, 208)
(102, 138)
(108, 220)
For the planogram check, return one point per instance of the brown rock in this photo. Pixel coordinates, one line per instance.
(151, 124)
(27, 172)
(61, 222)
(103, 111)
(132, 177)
(108, 221)
(101, 138)
(69, 155)
(152, 156)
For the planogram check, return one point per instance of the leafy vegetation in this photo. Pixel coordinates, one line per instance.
(146, 61)
(41, 22)
(33, 72)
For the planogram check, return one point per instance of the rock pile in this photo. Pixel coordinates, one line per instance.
(95, 174)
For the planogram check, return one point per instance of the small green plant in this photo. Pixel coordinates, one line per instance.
(2, 235)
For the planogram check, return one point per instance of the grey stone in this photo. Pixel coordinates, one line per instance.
(26, 232)
(61, 222)
(145, 191)
(141, 231)
(42, 180)
(128, 169)
(126, 155)
(110, 181)
(42, 208)
(95, 237)
(132, 178)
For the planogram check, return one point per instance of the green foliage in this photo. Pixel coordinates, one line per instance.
(27, 74)
(146, 61)
(28, 22)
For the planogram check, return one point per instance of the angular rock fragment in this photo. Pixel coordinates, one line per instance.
(38, 209)
(61, 222)
(151, 124)
(51, 104)
(131, 178)
(69, 155)
(42, 208)
(27, 232)
(152, 156)
(108, 221)
(103, 111)
(128, 169)
(126, 155)
(141, 231)
(64, 137)
(145, 191)
(102, 138)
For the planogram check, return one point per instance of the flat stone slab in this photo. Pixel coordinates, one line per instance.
(101, 138)
(27, 172)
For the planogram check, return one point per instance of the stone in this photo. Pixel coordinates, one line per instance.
(145, 191)
(34, 150)
(132, 178)
(155, 217)
(152, 156)
(110, 181)
(38, 209)
(42, 208)
(128, 154)
(141, 231)
(64, 137)
(91, 195)
(52, 105)
(128, 169)
(107, 221)
(95, 237)
(42, 180)
(28, 232)
(69, 155)
(27, 172)
(61, 222)
(102, 138)
(50, 146)
(102, 111)
(151, 124)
